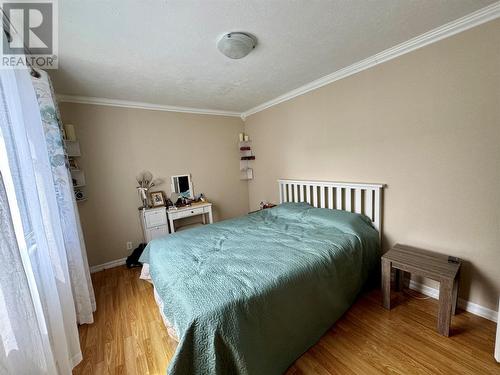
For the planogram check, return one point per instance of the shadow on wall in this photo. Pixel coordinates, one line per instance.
(468, 272)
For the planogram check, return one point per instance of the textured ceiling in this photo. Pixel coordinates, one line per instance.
(164, 51)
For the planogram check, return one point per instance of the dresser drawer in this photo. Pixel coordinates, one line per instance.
(186, 213)
(154, 218)
(156, 232)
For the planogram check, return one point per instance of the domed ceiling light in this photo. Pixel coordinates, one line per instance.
(236, 45)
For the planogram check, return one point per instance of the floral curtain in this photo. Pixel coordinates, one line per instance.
(81, 284)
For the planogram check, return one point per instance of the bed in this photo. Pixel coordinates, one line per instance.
(250, 295)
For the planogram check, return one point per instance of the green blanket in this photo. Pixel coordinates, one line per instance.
(250, 295)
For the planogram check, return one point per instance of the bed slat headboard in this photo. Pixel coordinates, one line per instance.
(353, 197)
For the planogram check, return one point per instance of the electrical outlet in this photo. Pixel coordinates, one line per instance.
(129, 245)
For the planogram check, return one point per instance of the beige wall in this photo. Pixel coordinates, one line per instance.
(428, 125)
(118, 143)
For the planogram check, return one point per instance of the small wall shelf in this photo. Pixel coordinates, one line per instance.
(73, 152)
(246, 158)
(72, 148)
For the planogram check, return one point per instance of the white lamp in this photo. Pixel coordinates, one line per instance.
(236, 45)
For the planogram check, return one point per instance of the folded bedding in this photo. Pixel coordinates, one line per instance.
(250, 295)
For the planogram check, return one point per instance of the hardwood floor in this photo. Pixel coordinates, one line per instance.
(128, 336)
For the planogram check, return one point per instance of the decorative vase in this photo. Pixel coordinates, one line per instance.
(143, 194)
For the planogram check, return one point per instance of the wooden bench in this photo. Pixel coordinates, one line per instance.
(439, 267)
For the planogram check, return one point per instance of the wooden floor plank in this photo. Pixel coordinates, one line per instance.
(128, 336)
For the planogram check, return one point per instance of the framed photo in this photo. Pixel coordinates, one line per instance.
(157, 198)
(73, 164)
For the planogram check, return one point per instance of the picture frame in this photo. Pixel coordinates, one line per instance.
(157, 198)
(73, 164)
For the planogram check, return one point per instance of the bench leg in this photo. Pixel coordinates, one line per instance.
(386, 284)
(454, 301)
(445, 306)
(398, 278)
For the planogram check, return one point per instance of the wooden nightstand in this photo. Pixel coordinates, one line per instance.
(439, 267)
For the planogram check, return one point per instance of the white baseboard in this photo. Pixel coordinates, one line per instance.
(113, 263)
(471, 307)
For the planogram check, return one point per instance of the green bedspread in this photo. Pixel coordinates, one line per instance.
(250, 295)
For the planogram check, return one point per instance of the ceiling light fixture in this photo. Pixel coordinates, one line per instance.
(236, 45)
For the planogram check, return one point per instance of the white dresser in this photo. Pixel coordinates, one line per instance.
(203, 209)
(154, 223)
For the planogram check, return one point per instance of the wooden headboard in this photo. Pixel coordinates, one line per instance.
(353, 197)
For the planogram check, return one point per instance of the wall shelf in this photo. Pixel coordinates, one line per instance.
(246, 158)
(72, 148)
(246, 174)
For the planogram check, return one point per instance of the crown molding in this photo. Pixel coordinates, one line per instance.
(142, 105)
(476, 18)
(471, 20)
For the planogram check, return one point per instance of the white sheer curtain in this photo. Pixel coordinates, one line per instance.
(42, 250)
(24, 343)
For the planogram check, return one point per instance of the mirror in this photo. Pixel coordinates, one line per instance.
(181, 184)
